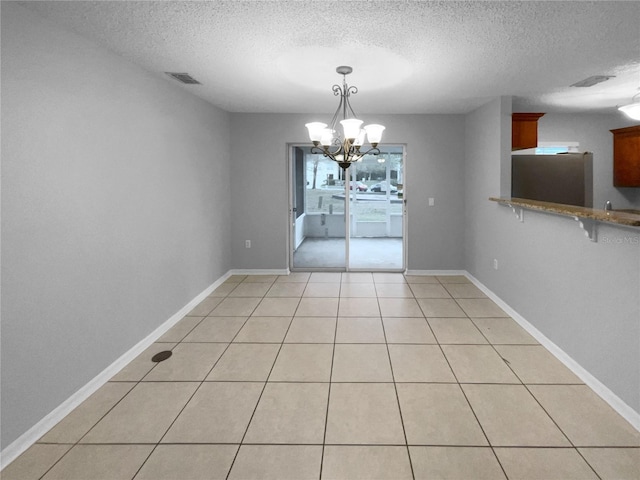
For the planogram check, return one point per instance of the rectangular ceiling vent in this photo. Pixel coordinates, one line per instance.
(591, 81)
(184, 78)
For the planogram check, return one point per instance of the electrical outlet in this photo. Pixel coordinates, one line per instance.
(432, 201)
(247, 244)
(495, 263)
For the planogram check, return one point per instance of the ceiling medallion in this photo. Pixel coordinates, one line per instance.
(344, 148)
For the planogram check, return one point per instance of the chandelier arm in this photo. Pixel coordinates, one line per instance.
(326, 152)
(355, 154)
(337, 90)
(350, 90)
(316, 150)
(371, 151)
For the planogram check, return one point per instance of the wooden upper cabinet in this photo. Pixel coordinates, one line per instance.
(626, 157)
(524, 130)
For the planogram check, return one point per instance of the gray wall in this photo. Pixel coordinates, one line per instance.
(592, 132)
(584, 296)
(115, 207)
(435, 156)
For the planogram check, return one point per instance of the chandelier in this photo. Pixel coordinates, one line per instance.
(345, 148)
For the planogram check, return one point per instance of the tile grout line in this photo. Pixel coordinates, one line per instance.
(559, 447)
(468, 402)
(136, 383)
(182, 409)
(263, 387)
(362, 381)
(395, 389)
(201, 382)
(540, 447)
(326, 418)
(545, 410)
(197, 388)
(572, 446)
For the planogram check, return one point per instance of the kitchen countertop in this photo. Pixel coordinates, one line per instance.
(610, 216)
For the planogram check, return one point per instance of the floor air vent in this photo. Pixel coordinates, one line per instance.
(161, 356)
(184, 78)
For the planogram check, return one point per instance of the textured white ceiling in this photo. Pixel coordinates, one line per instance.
(408, 56)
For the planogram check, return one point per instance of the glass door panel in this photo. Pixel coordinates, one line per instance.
(376, 211)
(318, 213)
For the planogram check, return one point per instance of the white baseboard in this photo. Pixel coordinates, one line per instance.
(442, 273)
(628, 413)
(22, 443)
(266, 271)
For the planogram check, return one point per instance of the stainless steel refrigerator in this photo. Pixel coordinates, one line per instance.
(563, 178)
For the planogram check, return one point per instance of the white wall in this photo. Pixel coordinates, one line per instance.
(592, 132)
(435, 154)
(583, 296)
(115, 210)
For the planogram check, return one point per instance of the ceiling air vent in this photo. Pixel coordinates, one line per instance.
(184, 78)
(591, 81)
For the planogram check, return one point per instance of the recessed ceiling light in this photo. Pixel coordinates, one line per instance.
(591, 81)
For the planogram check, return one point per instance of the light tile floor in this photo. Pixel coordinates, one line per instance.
(340, 376)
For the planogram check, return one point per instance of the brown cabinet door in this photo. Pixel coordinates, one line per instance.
(524, 130)
(626, 157)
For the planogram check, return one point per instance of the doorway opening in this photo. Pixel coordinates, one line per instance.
(370, 194)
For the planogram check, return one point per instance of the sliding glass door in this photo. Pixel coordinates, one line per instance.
(323, 197)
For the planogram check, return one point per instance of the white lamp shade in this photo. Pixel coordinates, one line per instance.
(315, 130)
(632, 110)
(374, 132)
(351, 127)
(360, 139)
(326, 139)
